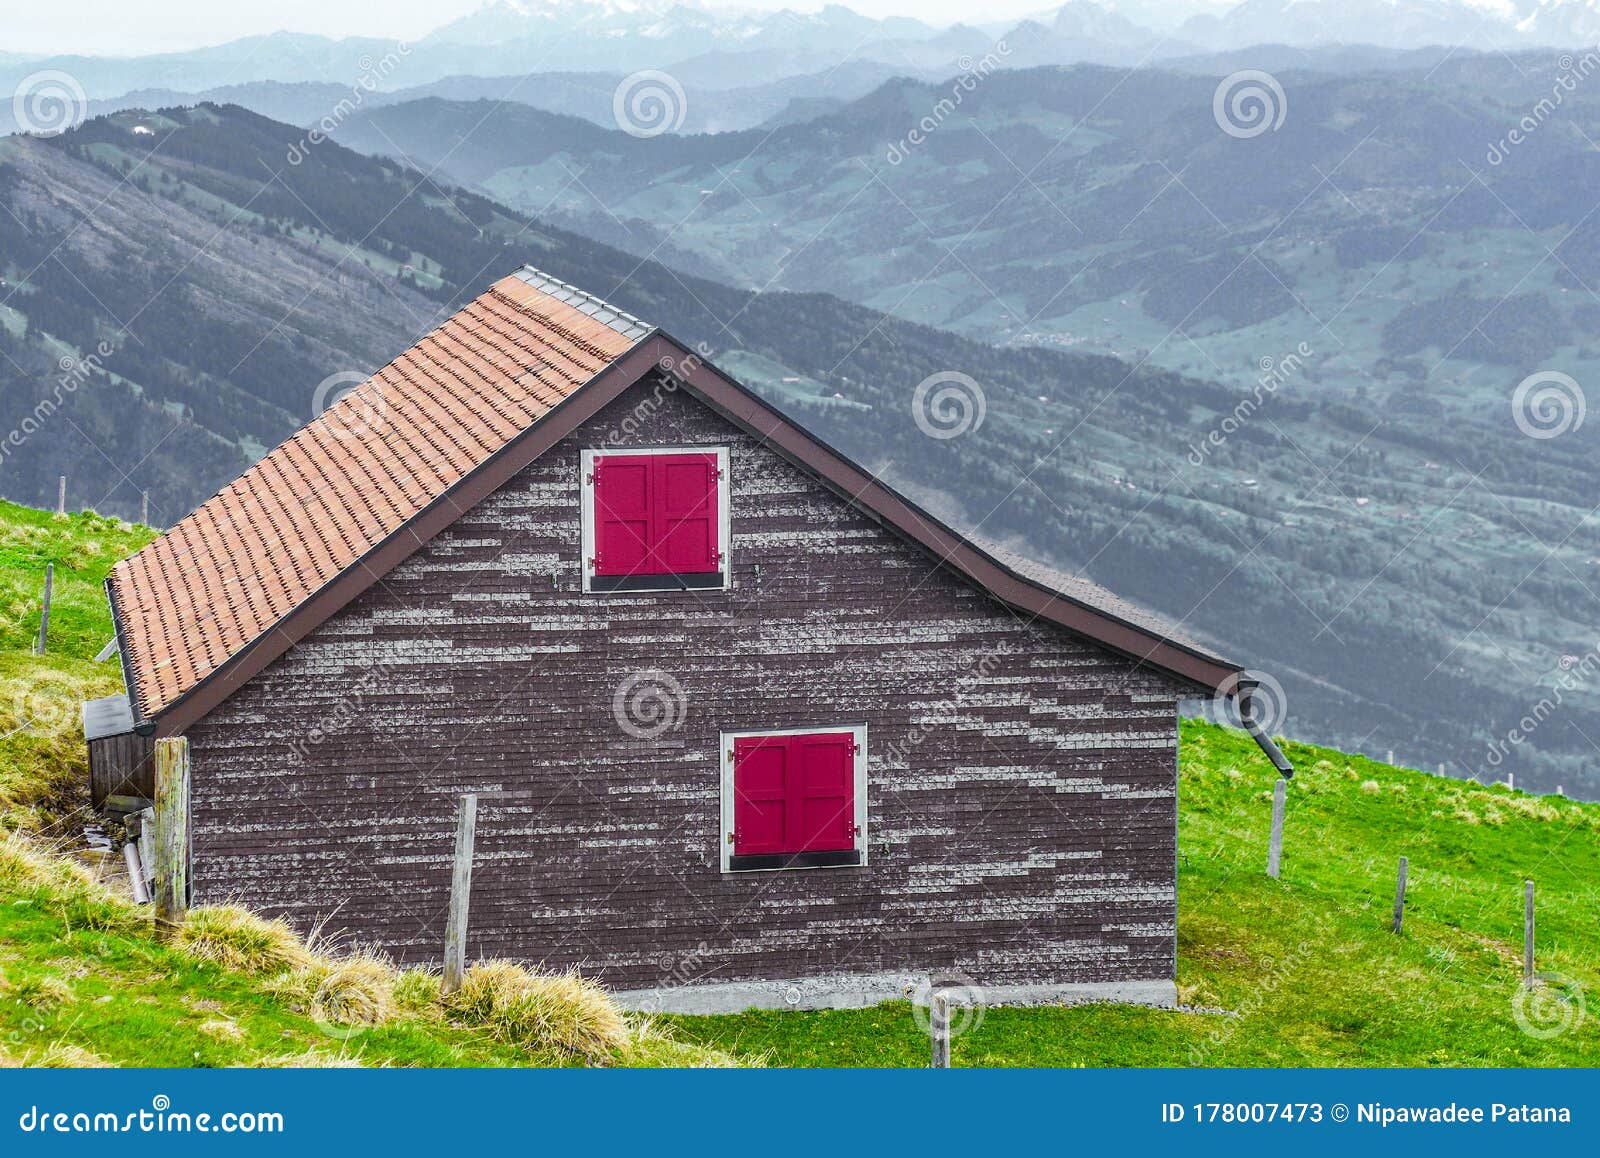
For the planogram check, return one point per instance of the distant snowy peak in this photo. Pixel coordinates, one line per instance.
(1084, 20)
(1561, 22)
(697, 27)
(501, 22)
(1405, 24)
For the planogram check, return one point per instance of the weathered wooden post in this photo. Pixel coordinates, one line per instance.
(1275, 846)
(61, 496)
(455, 929)
(1400, 897)
(1527, 933)
(939, 1029)
(44, 614)
(172, 833)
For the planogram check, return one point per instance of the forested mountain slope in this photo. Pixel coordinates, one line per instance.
(1418, 573)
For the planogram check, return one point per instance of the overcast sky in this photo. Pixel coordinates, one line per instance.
(132, 27)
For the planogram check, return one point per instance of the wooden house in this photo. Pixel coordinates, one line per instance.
(747, 726)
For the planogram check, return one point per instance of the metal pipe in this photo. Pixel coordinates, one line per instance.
(1247, 715)
(141, 890)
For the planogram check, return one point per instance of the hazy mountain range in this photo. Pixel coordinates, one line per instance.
(720, 48)
(1415, 569)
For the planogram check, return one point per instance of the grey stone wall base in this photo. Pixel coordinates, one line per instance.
(860, 990)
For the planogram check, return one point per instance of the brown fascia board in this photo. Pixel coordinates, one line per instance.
(729, 398)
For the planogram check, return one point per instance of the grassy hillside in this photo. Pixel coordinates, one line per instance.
(83, 981)
(43, 777)
(1365, 529)
(1304, 966)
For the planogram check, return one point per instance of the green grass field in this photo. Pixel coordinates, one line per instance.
(1307, 962)
(1305, 966)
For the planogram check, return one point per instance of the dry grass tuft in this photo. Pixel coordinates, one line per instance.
(63, 1055)
(27, 867)
(238, 940)
(354, 991)
(221, 1029)
(543, 1010)
(652, 1046)
(312, 1059)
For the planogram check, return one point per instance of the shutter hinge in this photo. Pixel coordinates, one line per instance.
(731, 756)
(719, 559)
(855, 830)
(590, 477)
(719, 472)
(855, 748)
(730, 838)
(594, 562)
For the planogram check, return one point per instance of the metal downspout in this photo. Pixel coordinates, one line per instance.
(1247, 715)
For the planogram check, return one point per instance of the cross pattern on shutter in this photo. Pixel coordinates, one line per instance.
(794, 793)
(656, 514)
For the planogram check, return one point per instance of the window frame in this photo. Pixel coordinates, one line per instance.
(656, 584)
(796, 861)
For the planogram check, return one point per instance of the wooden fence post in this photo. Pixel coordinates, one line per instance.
(455, 929)
(172, 833)
(44, 614)
(1400, 897)
(1275, 845)
(1527, 934)
(939, 1029)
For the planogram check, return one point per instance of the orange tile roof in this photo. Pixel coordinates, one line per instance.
(248, 556)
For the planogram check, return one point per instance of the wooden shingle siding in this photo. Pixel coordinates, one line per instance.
(1022, 783)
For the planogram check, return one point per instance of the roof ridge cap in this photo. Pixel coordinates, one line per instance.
(584, 302)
